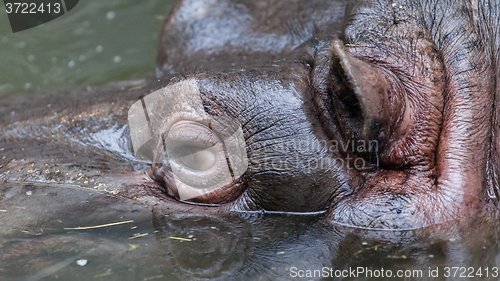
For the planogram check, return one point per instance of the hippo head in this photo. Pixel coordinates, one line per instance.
(374, 119)
(347, 121)
(276, 136)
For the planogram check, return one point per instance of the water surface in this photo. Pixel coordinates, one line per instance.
(103, 42)
(95, 43)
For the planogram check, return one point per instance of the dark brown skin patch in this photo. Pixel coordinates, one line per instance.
(450, 148)
(432, 120)
(430, 114)
(283, 79)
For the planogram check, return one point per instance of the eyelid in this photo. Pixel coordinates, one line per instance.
(189, 133)
(221, 182)
(194, 183)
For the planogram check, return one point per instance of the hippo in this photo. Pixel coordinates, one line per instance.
(382, 113)
(281, 132)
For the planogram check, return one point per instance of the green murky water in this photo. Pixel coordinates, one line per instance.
(100, 42)
(41, 239)
(97, 42)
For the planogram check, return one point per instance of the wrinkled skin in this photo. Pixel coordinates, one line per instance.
(420, 80)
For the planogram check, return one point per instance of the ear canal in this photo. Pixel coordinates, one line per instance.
(371, 89)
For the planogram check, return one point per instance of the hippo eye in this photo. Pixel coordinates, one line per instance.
(195, 158)
(198, 162)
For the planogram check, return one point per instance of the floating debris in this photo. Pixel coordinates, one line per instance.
(397, 257)
(179, 238)
(366, 249)
(133, 247)
(98, 226)
(82, 262)
(280, 253)
(3, 210)
(137, 235)
(107, 273)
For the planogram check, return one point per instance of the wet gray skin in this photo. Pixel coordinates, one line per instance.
(417, 77)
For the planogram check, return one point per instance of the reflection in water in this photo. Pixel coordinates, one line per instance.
(276, 247)
(165, 244)
(212, 249)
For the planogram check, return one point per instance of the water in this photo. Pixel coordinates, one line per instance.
(95, 43)
(103, 42)
(161, 245)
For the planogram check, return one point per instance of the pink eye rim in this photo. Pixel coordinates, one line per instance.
(200, 182)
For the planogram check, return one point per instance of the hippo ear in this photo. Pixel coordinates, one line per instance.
(365, 99)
